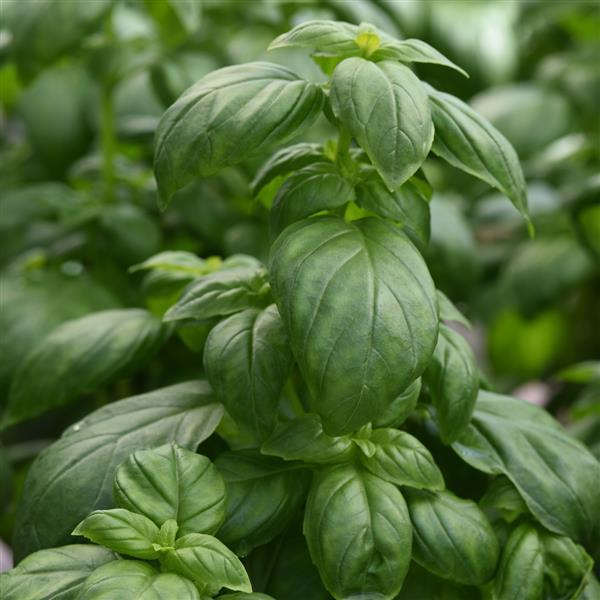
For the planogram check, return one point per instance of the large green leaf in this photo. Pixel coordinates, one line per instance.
(120, 530)
(398, 411)
(247, 360)
(358, 533)
(467, 141)
(263, 495)
(74, 475)
(227, 115)
(385, 108)
(135, 579)
(208, 562)
(170, 482)
(453, 382)
(452, 537)
(555, 474)
(360, 309)
(55, 574)
(79, 356)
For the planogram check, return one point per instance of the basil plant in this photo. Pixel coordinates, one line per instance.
(358, 453)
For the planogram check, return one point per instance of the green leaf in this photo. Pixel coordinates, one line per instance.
(286, 160)
(449, 312)
(137, 580)
(228, 115)
(384, 106)
(503, 497)
(208, 562)
(55, 574)
(175, 261)
(170, 482)
(401, 459)
(414, 51)
(244, 596)
(263, 494)
(407, 205)
(78, 357)
(360, 309)
(521, 570)
(332, 37)
(358, 533)
(120, 530)
(247, 360)
(222, 293)
(304, 439)
(467, 141)
(552, 471)
(82, 463)
(319, 186)
(400, 408)
(453, 381)
(452, 537)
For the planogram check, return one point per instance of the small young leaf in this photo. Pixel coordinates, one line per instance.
(170, 482)
(179, 262)
(453, 538)
(358, 533)
(401, 459)
(453, 382)
(208, 562)
(228, 115)
(332, 37)
(449, 312)
(384, 106)
(57, 573)
(502, 496)
(121, 530)
(304, 439)
(467, 141)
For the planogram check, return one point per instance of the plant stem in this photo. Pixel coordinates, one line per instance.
(343, 143)
(107, 140)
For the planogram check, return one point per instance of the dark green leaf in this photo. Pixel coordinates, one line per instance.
(467, 141)
(304, 439)
(228, 115)
(55, 574)
(247, 360)
(502, 496)
(449, 312)
(172, 483)
(263, 494)
(208, 562)
(552, 471)
(135, 579)
(384, 106)
(452, 537)
(360, 309)
(81, 465)
(400, 408)
(245, 596)
(319, 186)
(453, 382)
(78, 357)
(358, 533)
(401, 459)
(120, 530)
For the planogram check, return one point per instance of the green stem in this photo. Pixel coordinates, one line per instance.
(108, 140)
(343, 143)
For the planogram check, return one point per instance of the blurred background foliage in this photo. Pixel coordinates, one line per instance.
(84, 83)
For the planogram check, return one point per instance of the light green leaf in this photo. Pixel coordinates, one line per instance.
(208, 562)
(401, 459)
(263, 495)
(170, 482)
(319, 186)
(400, 408)
(82, 463)
(121, 530)
(452, 537)
(135, 579)
(360, 309)
(467, 141)
(228, 115)
(55, 574)
(453, 382)
(332, 37)
(521, 571)
(175, 261)
(358, 533)
(384, 106)
(449, 312)
(304, 439)
(287, 160)
(552, 471)
(78, 357)
(247, 360)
